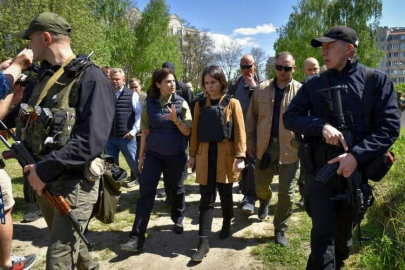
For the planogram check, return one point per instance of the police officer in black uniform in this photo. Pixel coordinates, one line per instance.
(332, 222)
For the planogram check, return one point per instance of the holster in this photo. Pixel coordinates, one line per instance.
(265, 162)
(305, 156)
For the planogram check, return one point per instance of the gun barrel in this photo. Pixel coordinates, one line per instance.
(8, 131)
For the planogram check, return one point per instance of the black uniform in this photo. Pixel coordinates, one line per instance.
(332, 222)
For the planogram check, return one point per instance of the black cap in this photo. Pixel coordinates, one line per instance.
(343, 33)
(169, 65)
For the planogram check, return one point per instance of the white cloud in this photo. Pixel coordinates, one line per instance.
(219, 39)
(260, 29)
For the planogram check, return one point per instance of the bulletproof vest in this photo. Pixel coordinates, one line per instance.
(164, 136)
(53, 120)
(211, 124)
(124, 118)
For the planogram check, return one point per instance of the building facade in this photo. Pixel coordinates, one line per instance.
(392, 42)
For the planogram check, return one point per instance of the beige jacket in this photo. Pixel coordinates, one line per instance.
(260, 116)
(227, 150)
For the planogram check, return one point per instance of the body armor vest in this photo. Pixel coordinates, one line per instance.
(211, 124)
(49, 124)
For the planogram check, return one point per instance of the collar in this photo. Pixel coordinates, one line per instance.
(286, 87)
(165, 99)
(351, 66)
(120, 91)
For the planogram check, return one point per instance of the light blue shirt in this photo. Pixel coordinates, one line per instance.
(137, 108)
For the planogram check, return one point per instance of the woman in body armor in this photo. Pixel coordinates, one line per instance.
(165, 124)
(218, 146)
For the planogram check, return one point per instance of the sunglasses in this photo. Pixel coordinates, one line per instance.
(246, 66)
(281, 68)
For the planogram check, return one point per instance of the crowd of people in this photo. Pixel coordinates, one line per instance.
(244, 131)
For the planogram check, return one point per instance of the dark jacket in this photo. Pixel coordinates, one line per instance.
(386, 122)
(185, 92)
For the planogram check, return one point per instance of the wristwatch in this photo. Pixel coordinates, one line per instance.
(177, 123)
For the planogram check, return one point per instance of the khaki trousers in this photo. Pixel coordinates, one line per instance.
(286, 188)
(66, 250)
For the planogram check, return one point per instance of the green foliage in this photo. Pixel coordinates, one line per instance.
(120, 39)
(312, 18)
(386, 220)
(87, 30)
(153, 44)
(399, 87)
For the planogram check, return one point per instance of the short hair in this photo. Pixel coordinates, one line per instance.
(60, 37)
(285, 54)
(158, 76)
(118, 70)
(218, 74)
(106, 67)
(135, 80)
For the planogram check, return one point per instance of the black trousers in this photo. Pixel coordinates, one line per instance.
(332, 223)
(209, 192)
(173, 167)
(247, 183)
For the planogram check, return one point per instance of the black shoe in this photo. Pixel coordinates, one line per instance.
(178, 228)
(161, 194)
(263, 210)
(22, 262)
(133, 245)
(35, 215)
(203, 249)
(242, 202)
(281, 239)
(226, 230)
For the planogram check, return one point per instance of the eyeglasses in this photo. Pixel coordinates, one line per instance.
(246, 66)
(281, 68)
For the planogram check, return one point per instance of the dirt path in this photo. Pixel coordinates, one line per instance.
(163, 248)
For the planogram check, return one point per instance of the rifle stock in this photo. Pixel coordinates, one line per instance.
(354, 191)
(18, 151)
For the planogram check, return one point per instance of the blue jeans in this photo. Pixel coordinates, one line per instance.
(128, 149)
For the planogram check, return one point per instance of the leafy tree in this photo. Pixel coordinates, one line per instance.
(120, 38)
(312, 18)
(87, 30)
(154, 45)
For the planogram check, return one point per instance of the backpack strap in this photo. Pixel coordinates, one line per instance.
(368, 99)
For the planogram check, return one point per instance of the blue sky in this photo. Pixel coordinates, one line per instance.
(253, 22)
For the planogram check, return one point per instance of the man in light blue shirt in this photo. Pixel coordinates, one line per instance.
(128, 110)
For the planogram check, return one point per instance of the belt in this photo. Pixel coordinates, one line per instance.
(274, 140)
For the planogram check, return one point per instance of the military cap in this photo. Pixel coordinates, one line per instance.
(46, 21)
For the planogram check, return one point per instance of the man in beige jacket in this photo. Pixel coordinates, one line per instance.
(273, 142)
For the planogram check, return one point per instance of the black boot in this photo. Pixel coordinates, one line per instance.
(203, 248)
(226, 229)
(263, 210)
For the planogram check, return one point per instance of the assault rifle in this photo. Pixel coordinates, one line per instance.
(358, 192)
(21, 153)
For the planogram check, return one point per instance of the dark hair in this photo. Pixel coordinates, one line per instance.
(216, 73)
(285, 54)
(158, 76)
